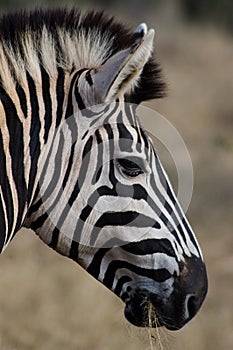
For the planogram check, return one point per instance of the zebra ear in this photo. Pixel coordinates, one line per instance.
(119, 74)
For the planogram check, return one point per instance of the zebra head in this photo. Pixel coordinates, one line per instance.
(105, 201)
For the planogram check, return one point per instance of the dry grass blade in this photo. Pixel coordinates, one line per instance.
(150, 311)
(153, 340)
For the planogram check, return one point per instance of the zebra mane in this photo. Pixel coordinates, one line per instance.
(69, 40)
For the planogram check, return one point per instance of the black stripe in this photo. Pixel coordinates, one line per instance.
(83, 171)
(112, 177)
(159, 195)
(98, 137)
(125, 137)
(84, 135)
(150, 246)
(73, 254)
(99, 164)
(47, 102)
(163, 180)
(108, 128)
(34, 144)
(78, 97)
(139, 192)
(146, 148)
(39, 222)
(129, 218)
(69, 166)
(60, 94)
(74, 136)
(69, 108)
(86, 212)
(94, 267)
(76, 237)
(89, 78)
(184, 221)
(168, 207)
(171, 196)
(22, 99)
(139, 141)
(97, 173)
(158, 275)
(74, 89)
(56, 231)
(74, 194)
(54, 240)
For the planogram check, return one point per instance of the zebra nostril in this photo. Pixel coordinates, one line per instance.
(191, 306)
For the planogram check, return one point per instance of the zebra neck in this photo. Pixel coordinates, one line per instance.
(30, 112)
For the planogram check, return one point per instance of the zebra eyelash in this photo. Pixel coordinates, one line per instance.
(131, 167)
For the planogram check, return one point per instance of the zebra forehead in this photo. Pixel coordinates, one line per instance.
(70, 40)
(123, 118)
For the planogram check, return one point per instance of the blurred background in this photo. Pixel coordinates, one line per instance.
(47, 301)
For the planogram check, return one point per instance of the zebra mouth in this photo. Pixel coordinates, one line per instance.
(137, 312)
(144, 309)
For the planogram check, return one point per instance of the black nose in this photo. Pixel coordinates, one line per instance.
(175, 308)
(189, 292)
(191, 287)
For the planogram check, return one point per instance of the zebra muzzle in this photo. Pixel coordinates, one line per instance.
(171, 307)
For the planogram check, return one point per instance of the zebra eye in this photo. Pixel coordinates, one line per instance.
(129, 167)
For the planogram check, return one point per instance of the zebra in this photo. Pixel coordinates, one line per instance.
(77, 167)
